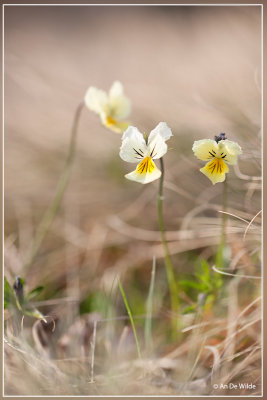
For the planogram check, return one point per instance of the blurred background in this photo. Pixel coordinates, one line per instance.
(197, 68)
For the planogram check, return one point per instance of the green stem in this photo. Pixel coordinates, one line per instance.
(50, 213)
(224, 216)
(149, 308)
(173, 287)
(219, 257)
(131, 318)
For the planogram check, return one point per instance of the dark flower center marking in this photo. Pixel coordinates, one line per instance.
(141, 156)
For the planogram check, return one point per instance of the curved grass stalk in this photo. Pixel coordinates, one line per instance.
(51, 212)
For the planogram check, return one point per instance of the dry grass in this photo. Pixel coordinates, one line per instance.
(199, 72)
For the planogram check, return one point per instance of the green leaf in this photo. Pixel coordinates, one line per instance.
(8, 293)
(217, 281)
(206, 269)
(206, 284)
(209, 301)
(203, 272)
(193, 285)
(189, 309)
(131, 318)
(19, 292)
(33, 312)
(22, 281)
(33, 293)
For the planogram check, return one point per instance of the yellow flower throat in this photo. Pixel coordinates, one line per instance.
(216, 166)
(110, 121)
(146, 166)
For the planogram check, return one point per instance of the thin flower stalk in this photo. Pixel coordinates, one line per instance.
(220, 251)
(149, 308)
(173, 287)
(51, 212)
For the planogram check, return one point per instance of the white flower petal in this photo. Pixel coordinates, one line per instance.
(116, 89)
(232, 151)
(133, 147)
(145, 172)
(156, 140)
(133, 134)
(162, 130)
(205, 149)
(96, 100)
(157, 147)
(119, 105)
(215, 170)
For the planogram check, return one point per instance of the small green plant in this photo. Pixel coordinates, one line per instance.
(204, 289)
(17, 301)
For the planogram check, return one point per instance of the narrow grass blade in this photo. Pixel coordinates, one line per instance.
(131, 318)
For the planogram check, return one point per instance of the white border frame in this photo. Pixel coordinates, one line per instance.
(262, 163)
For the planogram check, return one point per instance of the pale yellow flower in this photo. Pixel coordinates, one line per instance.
(112, 107)
(218, 153)
(135, 149)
